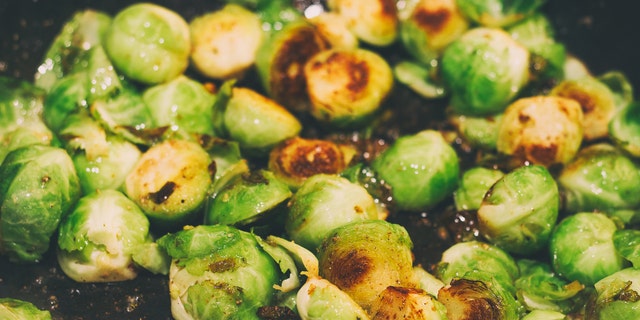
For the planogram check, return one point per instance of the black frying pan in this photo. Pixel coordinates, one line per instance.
(602, 33)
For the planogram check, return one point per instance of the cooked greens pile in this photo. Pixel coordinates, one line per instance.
(244, 154)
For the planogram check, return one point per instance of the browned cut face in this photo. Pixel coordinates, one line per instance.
(432, 21)
(349, 270)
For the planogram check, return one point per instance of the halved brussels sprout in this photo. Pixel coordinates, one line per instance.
(582, 248)
(473, 185)
(422, 170)
(363, 258)
(296, 159)
(225, 42)
(15, 309)
(597, 101)
(499, 13)
(485, 69)
(170, 182)
(617, 296)
(97, 239)
(600, 178)
(372, 21)
(427, 27)
(148, 43)
(218, 272)
(246, 199)
(347, 86)
(518, 213)
(38, 186)
(323, 203)
(541, 130)
(181, 104)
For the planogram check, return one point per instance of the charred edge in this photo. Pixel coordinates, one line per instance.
(164, 193)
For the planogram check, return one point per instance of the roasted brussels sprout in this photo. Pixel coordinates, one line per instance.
(498, 13)
(255, 121)
(539, 288)
(363, 258)
(520, 210)
(600, 178)
(225, 42)
(372, 21)
(597, 101)
(541, 130)
(484, 69)
(422, 170)
(466, 257)
(15, 309)
(246, 199)
(347, 86)
(148, 43)
(321, 205)
(181, 104)
(97, 239)
(428, 27)
(617, 296)
(296, 159)
(473, 185)
(582, 248)
(218, 272)
(38, 186)
(170, 182)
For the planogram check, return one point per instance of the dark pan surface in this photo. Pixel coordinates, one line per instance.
(602, 33)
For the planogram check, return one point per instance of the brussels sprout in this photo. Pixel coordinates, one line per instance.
(38, 186)
(597, 102)
(541, 130)
(484, 69)
(479, 131)
(419, 78)
(365, 257)
(321, 299)
(407, 303)
(321, 205)
(600, 178)
(465, 257)
(108, 170)
(428, 27)
(21, 107)
(347, 86)
(83, 31)
(520, 210)
(255, 121)
(478, 295)
(422, 170)
(372, 21)
(247, 199)
(539, 288)
(582, 248)
(627, 243)
(544, 315)
(623, 128)
(280, 63)
(473, 185)
(170, 182)
(148, 43)
(537, 34)
(617, 296)
(225, 42)
(498, 13)
(334, 28)
(218, 272)
(15, 309)
(181, 104)
(296, 159)
(97, 239)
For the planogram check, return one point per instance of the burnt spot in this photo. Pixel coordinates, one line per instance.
(164, 193)
(223, 265)
(287, 81)
(349, 270)
(432, 21)
(357, 70)
(388, 8)
(586, 101)
(523, 118)
(545, 155)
